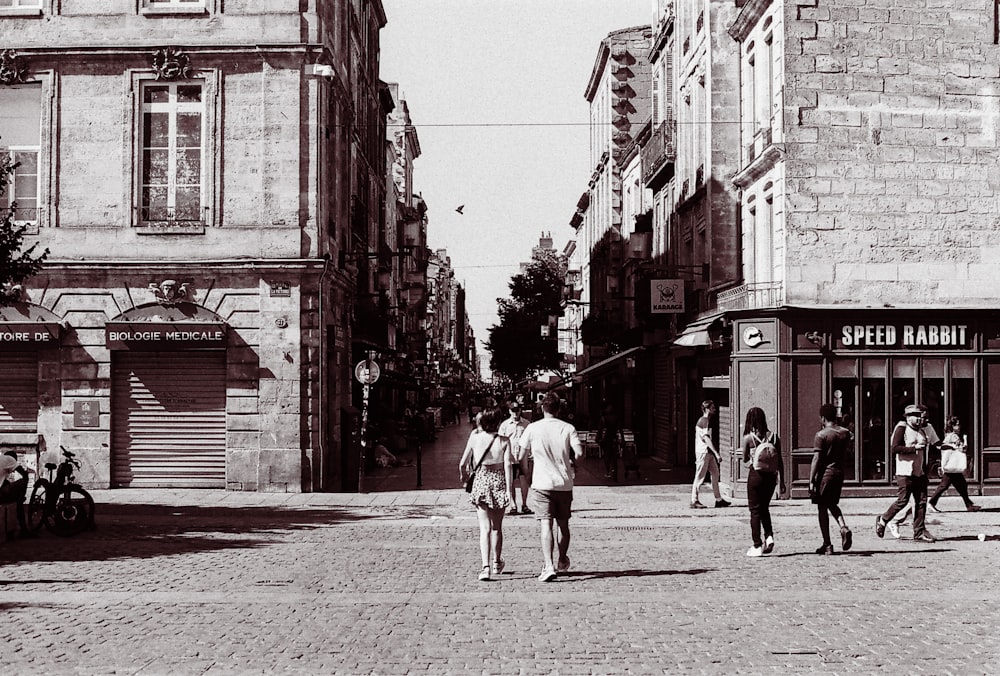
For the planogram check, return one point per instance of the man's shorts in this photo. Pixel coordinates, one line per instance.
(552, 504)
(830, 486)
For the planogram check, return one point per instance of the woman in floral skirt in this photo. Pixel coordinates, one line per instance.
(492, 454)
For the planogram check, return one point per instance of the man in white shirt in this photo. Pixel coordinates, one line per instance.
(706, 457)
(554, 445)
(512, 428)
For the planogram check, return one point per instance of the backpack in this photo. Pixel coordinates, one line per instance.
(765, 454)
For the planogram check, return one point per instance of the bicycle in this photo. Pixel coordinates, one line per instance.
(61, 504)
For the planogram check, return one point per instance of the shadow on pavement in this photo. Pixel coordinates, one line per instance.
(634, 572)
(871, 552)
(147, 530)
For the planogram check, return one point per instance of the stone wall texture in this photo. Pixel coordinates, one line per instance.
(893, 162)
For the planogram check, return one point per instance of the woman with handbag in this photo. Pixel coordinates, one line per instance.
(488, 455)
(954, 460)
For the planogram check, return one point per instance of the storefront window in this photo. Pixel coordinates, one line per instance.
(962, 404)
(845, 399)
(904, 373)
(873, 432)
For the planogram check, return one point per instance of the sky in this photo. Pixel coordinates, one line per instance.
(495, 89)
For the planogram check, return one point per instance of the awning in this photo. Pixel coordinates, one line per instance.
(603, 366)
(696, 333)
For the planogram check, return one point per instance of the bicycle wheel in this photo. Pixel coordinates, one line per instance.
(73, 512)
(34, 510)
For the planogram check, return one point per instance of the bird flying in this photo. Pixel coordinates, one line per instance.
(460, 207)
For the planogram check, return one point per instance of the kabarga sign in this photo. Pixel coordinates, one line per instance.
(867, 336)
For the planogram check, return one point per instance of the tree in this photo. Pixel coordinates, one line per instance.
(15, 265)
(516, 344)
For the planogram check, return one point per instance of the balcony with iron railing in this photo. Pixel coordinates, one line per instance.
(757, 295)
(658, 155)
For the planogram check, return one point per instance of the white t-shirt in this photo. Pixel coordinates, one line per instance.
(702, 437)
(554, 445)
(513, 430)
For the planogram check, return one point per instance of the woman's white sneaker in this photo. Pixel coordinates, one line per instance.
(755, 551)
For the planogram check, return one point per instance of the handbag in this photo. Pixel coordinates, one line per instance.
(953, 461)
(472, 476)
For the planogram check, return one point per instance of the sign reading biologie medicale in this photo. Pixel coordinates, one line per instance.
(904, 336)
(150, 335)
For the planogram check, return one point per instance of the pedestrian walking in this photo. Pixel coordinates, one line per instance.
(954, 461)
(826, 477)
(910, 443)
(609, 438)
(512, 428)
(762, 454)
(487, 454)
(706, 457)
(554, 445)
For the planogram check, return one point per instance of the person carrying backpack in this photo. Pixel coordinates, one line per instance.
(761, 452)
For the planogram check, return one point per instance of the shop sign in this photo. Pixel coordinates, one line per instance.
(23, 334)
(367, 372)
(87, 413)
(914, 336)
(666, 296)
(152, 336)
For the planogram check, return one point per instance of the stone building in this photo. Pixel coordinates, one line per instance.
(210, 180)
(868, 187)
(618, 94)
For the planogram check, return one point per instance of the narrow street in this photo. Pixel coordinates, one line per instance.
(439, 467)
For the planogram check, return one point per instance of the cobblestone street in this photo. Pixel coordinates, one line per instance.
(214, 582)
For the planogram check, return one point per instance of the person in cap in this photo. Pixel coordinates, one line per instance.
(512, 428)
(911, 441)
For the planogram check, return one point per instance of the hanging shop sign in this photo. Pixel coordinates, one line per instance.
(166, 335)
(367, 372)
(904, 336)
(666, 296)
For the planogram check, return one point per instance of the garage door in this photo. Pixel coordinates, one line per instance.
(19, 391)
(169, 419)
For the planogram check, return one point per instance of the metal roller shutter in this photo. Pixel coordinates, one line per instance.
(169, 419)
(19, 391)
(663, 403)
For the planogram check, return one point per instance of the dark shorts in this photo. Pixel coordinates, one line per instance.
(515, 470)
(830, 486)
(552, 504)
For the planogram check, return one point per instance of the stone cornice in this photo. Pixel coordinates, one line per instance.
(747, 18)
